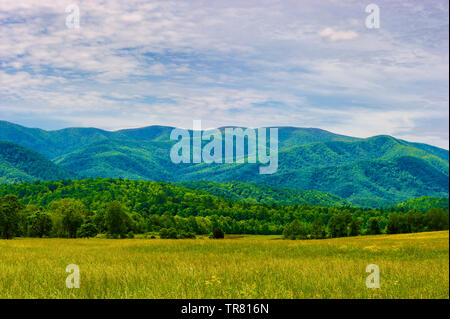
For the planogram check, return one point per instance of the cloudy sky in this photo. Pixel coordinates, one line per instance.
(250, 63)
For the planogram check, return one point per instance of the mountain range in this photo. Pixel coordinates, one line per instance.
(375, 171)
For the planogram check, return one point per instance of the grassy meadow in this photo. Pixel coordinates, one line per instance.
(411, 266)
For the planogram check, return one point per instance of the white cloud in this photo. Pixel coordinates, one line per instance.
(332, 35)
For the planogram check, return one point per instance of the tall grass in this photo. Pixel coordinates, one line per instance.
(411, 266)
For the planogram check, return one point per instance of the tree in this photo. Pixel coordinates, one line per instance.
(40, 224)
(373, 227)
(397, 224)
(168, 233)
(437, 219)
(115, 220)
(87, 230)
(338, 224)
(68, 216)
(354, 228)
(415, 221)
(99, 221)
(318, 229)
(10, 209)
(186, 235)
(295, 230)
(218, 233)
(24, 215)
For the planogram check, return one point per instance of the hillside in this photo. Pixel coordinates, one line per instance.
(424, 203)
(18, 164)
(51, 143)
(378, 171)
(258, 193)
(121, 159)
(371, 172)
(138, 195)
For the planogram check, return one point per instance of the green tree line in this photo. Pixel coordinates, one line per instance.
(122, 208)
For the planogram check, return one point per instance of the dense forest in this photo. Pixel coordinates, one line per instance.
(260, 193)
(123, 208)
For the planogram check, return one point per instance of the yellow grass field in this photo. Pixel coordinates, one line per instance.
(411, 266)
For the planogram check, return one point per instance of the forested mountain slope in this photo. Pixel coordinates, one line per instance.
(18, 164)
(376, 171)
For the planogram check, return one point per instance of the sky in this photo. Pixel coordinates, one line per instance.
(243, 63)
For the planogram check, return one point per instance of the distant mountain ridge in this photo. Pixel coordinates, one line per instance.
(380, 170)
(53, 144)
(18, 164)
